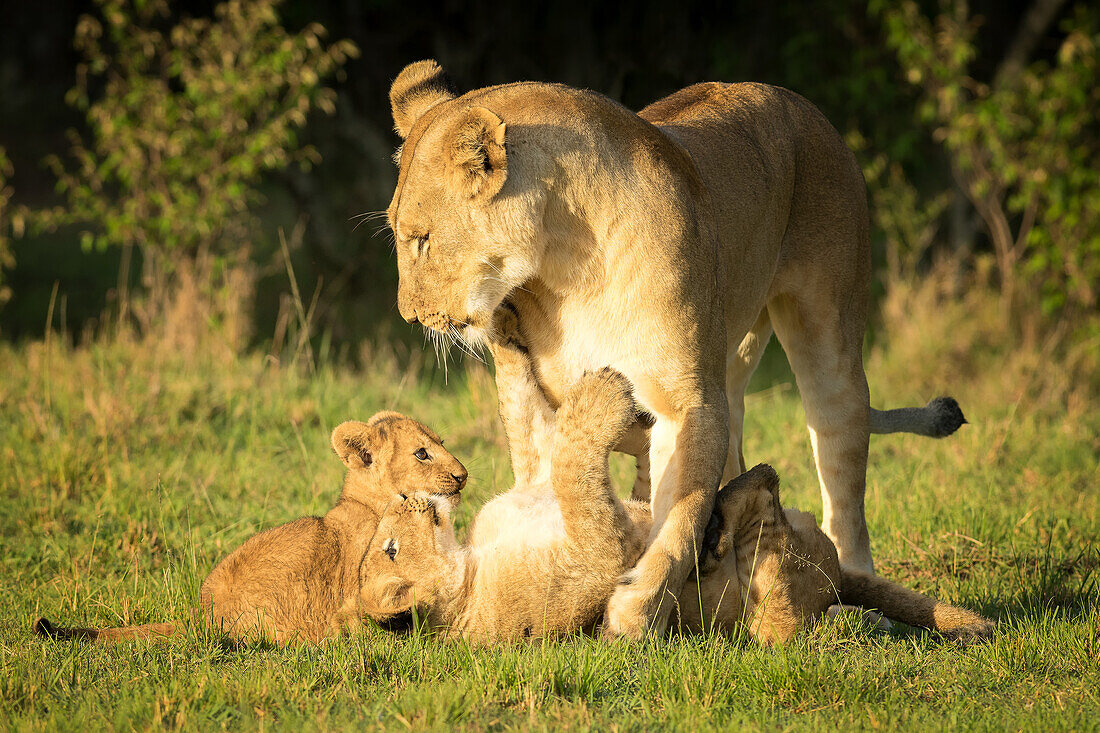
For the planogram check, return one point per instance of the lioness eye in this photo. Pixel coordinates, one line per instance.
(422, 455)
(389, 549)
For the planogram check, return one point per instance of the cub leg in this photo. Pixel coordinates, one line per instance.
(824, 344)
(596, 412)
(740, 365)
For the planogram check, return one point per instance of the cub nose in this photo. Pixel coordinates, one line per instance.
(460, 478)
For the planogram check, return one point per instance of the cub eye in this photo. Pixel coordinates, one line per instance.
(422, 455)
(389, 549)
(421, 245)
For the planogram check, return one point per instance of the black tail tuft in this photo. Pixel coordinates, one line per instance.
(947, 416)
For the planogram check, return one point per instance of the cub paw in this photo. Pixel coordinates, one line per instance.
(600, 405)
(506, 332)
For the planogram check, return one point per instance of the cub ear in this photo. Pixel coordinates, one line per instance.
(477, 163)
(383, 598)
(418, 88)
(350, 441)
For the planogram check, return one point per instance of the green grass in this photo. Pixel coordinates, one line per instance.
(126, 475)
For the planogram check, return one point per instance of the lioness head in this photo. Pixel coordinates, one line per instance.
(406, 566)
(466, 214)
(391, 453)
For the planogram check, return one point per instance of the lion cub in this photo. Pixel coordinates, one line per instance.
(544, 558)
(290, 582)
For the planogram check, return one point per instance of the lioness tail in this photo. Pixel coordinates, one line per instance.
(909, 607)
(938, 419)
(155, 632)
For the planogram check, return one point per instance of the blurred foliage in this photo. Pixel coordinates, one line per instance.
(10, 224)
(1024, 149)
(183, 122)
(1017, 148)
(907, 220)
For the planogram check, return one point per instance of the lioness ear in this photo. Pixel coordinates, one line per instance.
(350, 441)
(477, 163)
(418, 88)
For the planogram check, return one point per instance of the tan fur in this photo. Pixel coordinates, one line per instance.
(292, 582)
(420, 86)
(667, 244)
(527, 574)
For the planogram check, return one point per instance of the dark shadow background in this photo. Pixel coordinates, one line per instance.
(831, 51)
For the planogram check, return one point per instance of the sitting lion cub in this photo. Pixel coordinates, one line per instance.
(289, 583)
(544, 558)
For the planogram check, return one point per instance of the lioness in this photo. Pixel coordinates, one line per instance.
(293, 582)
(667, 244)
(545, 560)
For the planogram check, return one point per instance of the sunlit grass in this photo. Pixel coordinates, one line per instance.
(126, 473)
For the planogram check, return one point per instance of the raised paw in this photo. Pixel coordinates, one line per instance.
(600, 405)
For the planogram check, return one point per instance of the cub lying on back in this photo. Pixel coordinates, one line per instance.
(294, 582)
(544, 558)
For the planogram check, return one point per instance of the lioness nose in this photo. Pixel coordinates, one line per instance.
(460, 478)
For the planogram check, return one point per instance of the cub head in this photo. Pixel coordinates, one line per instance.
(467, 211)
(405, 567)
(391, 453)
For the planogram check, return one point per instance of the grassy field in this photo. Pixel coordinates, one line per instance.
(127, 472)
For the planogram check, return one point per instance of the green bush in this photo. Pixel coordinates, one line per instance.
(183, 120)
(1024, 150)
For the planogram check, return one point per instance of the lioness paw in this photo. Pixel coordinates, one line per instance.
(632, 612)
(506, 332)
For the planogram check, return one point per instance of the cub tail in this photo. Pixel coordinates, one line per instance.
(938, 419)
(155, 632)
(896, 602)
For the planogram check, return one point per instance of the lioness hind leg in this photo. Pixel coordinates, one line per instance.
(823, 340)
(741, 362)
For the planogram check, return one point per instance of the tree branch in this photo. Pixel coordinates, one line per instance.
(1031, 30)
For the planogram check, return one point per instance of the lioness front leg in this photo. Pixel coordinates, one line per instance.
(525, 412)
(687, 454)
